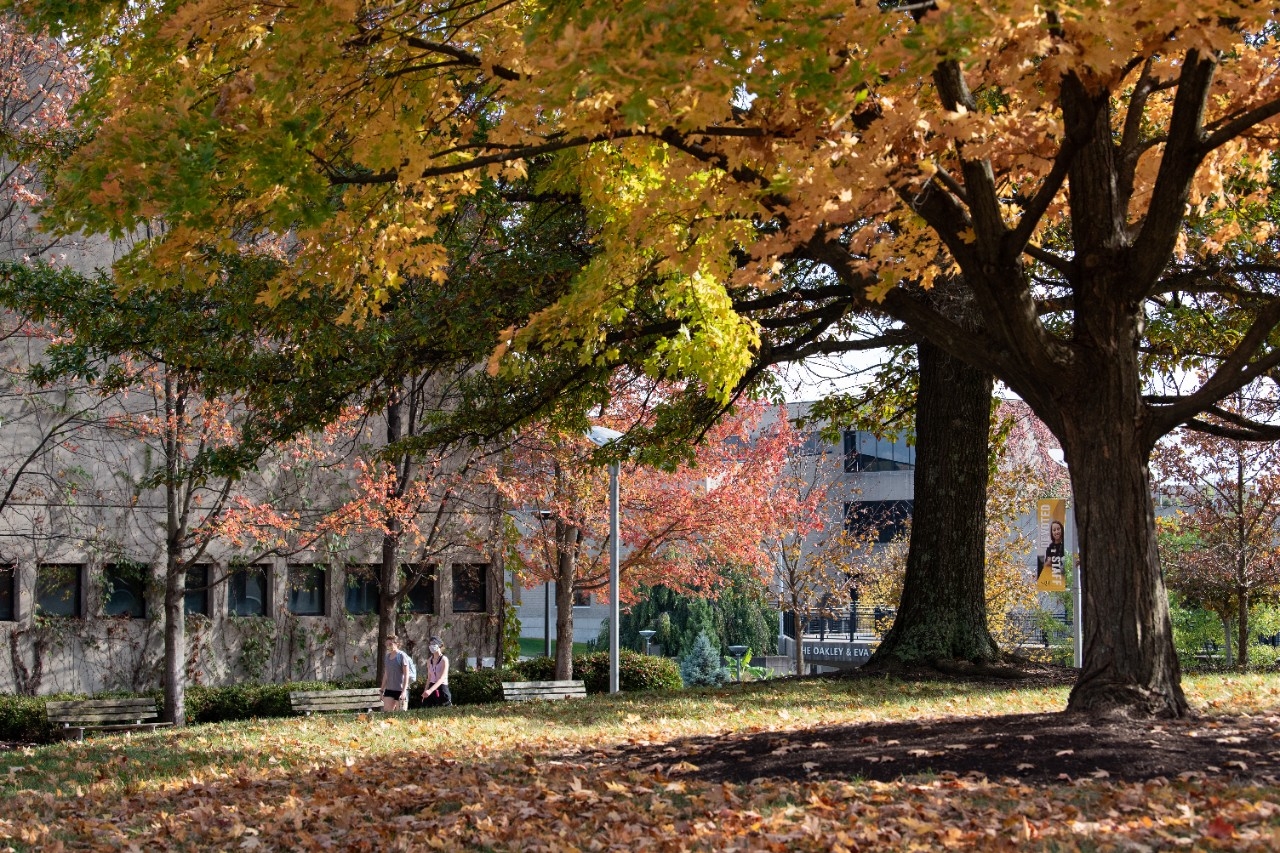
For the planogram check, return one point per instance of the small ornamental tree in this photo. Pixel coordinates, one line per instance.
(701, 666)
(677, 527)
(1222, 550)
(803, 496)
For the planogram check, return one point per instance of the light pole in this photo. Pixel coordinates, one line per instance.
(737, 652)
(647, 635)
(543, 515)
(601, 436)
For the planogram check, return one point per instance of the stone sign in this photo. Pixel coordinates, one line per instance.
(838, 654)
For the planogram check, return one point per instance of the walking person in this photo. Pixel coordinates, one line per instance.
(436, 694)
(395, 677)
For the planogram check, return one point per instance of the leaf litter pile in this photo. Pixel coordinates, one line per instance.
(803, 764)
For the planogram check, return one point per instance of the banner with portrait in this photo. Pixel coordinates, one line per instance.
(1051, 538)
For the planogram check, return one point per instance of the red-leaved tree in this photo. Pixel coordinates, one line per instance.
(1226, 551)
(678, 528)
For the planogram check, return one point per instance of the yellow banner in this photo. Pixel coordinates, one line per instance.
(1051, 522)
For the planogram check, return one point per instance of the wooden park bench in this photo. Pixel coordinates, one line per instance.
(74, 717)
(309, 702)
(525, 691)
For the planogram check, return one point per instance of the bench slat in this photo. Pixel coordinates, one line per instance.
(100, 704)
(358, 699)
(105, 718)
(525, 691)
(358, 691)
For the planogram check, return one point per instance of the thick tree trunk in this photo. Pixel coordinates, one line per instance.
(1129, 659)
(567, 538)
(943, 614)
(174, 677)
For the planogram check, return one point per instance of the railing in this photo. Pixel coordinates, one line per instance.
(866, 622)
(1042, 629)
(849, 623)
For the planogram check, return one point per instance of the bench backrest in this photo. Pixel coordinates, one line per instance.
(523, 691)
(357, 699)
(101, 712)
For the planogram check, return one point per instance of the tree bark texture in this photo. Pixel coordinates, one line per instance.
(943, 613)
(567, 539)
(389, 593)
(175, 643)
(1129, 657)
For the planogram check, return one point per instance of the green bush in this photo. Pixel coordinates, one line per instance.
(635, 671)
(469, 687)
(22, 718)
(248, 701)
(535, 669)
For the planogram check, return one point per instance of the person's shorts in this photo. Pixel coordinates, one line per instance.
(393, 694)
(441, 698)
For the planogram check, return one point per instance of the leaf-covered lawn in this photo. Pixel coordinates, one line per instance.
(622, 773)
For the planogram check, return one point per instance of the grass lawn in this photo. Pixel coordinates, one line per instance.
(531, 647)
(619, 773)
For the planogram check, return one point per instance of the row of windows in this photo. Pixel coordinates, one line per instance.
(863, 451)
(60, 590)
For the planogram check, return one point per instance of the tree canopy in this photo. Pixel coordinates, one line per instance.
(1074, 172)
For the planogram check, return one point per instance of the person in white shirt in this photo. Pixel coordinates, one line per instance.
(436, 694)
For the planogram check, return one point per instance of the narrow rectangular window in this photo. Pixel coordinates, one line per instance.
(421, 581)
(306, 590)
(581, 598)
(362, 588)
(58, 590)
(8, 593)
(124, 588)
(470, 587)
(196, 601)
(247, 592)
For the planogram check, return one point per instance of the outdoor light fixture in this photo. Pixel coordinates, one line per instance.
(737, 652)
(647, 635)
(600, 437)
(543, 515)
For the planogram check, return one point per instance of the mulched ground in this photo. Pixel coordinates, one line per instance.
(1034, 748)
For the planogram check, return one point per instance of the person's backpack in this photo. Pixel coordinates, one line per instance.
(413, 667)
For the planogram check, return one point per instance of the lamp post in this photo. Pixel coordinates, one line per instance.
(737, 652)
(543, 515)
(647, 635)
(601, 436)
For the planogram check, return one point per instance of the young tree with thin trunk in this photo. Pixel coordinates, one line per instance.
(1225, 549)
(677, 526)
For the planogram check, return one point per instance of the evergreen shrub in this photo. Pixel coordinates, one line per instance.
(701, 666)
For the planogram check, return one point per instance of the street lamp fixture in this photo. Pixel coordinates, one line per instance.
(601, 437)
(543, 515)
(647, 635)
(737, 653)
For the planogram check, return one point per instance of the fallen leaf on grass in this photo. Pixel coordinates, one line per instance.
(1220, 829)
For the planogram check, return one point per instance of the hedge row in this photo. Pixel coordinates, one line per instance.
(635, 671)
(23, 719)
